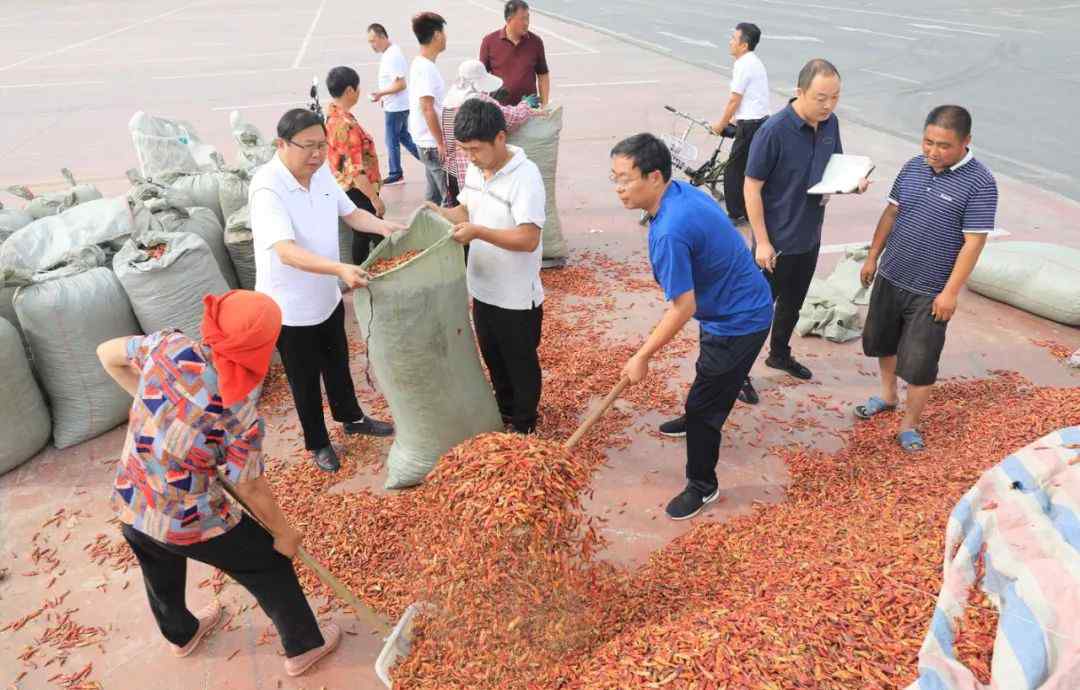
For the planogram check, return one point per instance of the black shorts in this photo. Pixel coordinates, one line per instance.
(901, 323)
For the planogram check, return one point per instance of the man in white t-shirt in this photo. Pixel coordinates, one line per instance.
(295, 203)
(500, 218)
(426, 92)
(747, 109)
(393, 95)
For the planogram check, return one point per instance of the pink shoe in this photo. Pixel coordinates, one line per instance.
(208, 617)
(299, 664)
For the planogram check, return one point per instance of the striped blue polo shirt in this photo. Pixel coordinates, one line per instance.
(934, 210)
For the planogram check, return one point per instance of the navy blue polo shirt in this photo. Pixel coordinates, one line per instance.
(790, 156)
(694, 246)
(934, 210)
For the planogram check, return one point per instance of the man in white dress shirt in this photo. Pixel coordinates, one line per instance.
(747, 108)
(295, 204)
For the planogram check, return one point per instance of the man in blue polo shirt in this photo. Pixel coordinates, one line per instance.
(788, 156)
(940, 211)
(707, 273)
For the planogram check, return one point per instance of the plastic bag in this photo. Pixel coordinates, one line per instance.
(253, 149)
(24, 418)
(240, 243)
(1037, 277)
(164, 146)
(52, 203)
(421, 349)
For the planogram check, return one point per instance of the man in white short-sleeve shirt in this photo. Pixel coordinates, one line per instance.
(393, 95)
(426, 92)
(295, 203)
(500, 219)
(747, 108)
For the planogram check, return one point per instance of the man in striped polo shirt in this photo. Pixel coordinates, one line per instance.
(940, 211)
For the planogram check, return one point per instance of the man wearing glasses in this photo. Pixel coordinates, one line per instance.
(295, 204)
(707, 273)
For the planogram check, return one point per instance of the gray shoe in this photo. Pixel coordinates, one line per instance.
(327, 459)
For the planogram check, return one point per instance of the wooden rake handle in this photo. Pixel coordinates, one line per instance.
(364, 613)
(596, 414)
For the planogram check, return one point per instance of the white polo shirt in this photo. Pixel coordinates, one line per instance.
(281, 209)
(513, 196)
(392, 66)
(424, 80)
(748, 77)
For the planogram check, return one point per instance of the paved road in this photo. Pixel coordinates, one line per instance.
(1016, 67)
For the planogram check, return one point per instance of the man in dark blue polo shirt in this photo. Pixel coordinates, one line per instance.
(707, 273)
(940, 211)
(788, 156)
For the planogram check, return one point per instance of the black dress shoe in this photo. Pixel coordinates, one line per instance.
(748, 395)
(369, 427)
(327, 459)
(790, 366)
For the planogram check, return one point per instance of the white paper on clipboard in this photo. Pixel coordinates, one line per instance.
(842, 174)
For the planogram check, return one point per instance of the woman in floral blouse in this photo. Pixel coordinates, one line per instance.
(351, 156)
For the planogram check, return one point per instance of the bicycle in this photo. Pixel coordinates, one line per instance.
(684, 154)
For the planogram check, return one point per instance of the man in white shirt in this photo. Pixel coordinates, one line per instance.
(747, 109)
(295, 203)
(426, 92)
(393, 95)
(500, 218)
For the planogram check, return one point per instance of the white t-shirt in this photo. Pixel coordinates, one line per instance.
(392, 65)
(748, 78)
(513, 196)
(424, 80)
(283, 210)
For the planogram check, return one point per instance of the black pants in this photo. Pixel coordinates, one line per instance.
(362, 242)
(735, 171)
(790, 281)
(508, 342)
(313, 352)
(246, 554)
(722, 366)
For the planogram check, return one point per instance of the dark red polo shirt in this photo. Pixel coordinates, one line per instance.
(517, 65)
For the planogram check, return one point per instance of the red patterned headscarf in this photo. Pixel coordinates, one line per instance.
(241, 329)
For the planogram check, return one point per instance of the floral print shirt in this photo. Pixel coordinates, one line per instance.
(351, 150)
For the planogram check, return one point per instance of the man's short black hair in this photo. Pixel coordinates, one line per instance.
(647, 152)
(750, 33)
(425, 24)
(513, 7)
(478, 120)
(378, 29)
(953, 117)
(341, 78)
(296, 121)
(818, 67)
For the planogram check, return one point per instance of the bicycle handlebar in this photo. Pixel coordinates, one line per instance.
(691, 118)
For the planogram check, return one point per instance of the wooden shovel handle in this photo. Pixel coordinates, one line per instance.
(597, 413)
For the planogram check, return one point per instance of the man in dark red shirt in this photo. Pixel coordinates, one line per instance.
(516, 55)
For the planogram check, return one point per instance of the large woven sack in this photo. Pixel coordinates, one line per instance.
(240, 243)
(233, 191)
(421, 349)
(12, 219)
(164, 146)
(203, 190)
(65, 319)
(252, 148)
(539, 137)
(52, 203)
(166, 291)
(1037, 277)
(49, 241)
(202, 223)
(24, 417)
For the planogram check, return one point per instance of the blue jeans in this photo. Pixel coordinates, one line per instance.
(397, 135)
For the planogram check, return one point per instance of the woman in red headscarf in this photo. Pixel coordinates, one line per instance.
(194, 413)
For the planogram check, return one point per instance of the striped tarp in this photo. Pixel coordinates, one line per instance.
(1022, 519)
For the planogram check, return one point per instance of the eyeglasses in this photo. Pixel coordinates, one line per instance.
(320, 146)
(623, 182)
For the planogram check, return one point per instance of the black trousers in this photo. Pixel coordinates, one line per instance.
(735, 171)
(246, 554)
(790, 281)
(509, 339)
(362, 242)
(313, 352)
(722, 366)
